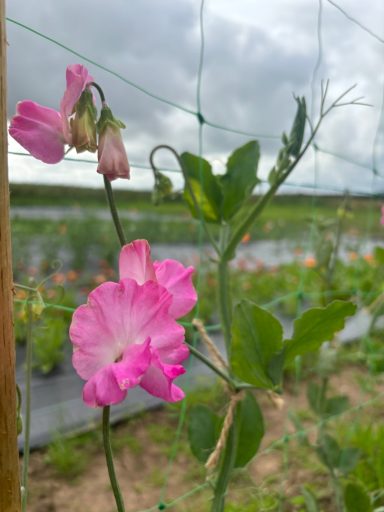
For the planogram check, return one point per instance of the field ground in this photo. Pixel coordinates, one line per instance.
(63, 479)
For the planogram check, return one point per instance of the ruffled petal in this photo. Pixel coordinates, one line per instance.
(102, 389)
(177, 279)
(135, 262)
(134, 364)
(39, 130)
(118, 315)
(158, 380)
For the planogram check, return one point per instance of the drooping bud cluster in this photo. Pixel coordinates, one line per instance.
(45, 132)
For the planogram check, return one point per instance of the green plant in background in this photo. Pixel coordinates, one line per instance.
(48, 343)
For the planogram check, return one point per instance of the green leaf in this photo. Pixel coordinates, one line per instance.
(349, 457)
(205, 186)
(250, 430)
(356, 498)
(256, 340)
(203, 431)
(329, 451)
(297, 132)
(336, 405)
(316, 326)
(309, 499)
(240, 178)
(314, 397)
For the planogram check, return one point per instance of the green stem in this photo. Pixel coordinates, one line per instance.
(225, 303)
(226, 467)
(113, 209)
(212, 366)
(264, 200)
(27, 422)
(188, 186)
(109, 459)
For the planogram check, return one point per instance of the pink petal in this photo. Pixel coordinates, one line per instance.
(177, 279)
(135, 262)
(77, 78)
(158, 380)
(174, 355)
(134, 364)
(39, 130)
(113, 161)
(102, 389)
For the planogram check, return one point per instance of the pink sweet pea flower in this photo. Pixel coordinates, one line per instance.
(42, 130)
(124, 337)
(39, 130)
(113, 161)
(135, 263)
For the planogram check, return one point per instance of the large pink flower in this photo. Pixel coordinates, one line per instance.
(135, 263)
(124, 337)
(43, 131)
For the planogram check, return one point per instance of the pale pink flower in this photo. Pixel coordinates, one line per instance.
(42, 130)
(135, 263)
(113, 161)
(126, 335)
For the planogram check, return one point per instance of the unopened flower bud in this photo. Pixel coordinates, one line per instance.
(113, 161)
(83, 124)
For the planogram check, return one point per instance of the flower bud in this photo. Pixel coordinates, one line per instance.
(83, 124)
(113, 161)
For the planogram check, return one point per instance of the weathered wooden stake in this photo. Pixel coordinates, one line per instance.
(9, 457)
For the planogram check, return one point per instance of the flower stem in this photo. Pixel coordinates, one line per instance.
(211, 365)
(27, 423)
(113, 209)
(109, 459)
(225, 470)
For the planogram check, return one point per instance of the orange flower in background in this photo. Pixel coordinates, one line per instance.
(246, 238)
(99, 278)
(58, 278)
(369, 258)
(310, 262)
(72, 275)
(353, 256)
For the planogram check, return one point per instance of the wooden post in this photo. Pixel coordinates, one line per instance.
(9, 456)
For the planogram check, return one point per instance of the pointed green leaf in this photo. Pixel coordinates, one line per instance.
(314, 397)
(309, 499)
(250, 430)
(349, 457)
(356, 498)
(205, 187)
(316, 326)
(256, 340)
(297, 132)
(203, 431)
(329, 451)
(240, 178)
(336, 405)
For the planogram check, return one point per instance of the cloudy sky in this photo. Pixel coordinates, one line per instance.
(257, 54)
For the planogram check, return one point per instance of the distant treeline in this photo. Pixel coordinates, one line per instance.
(45, 195)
